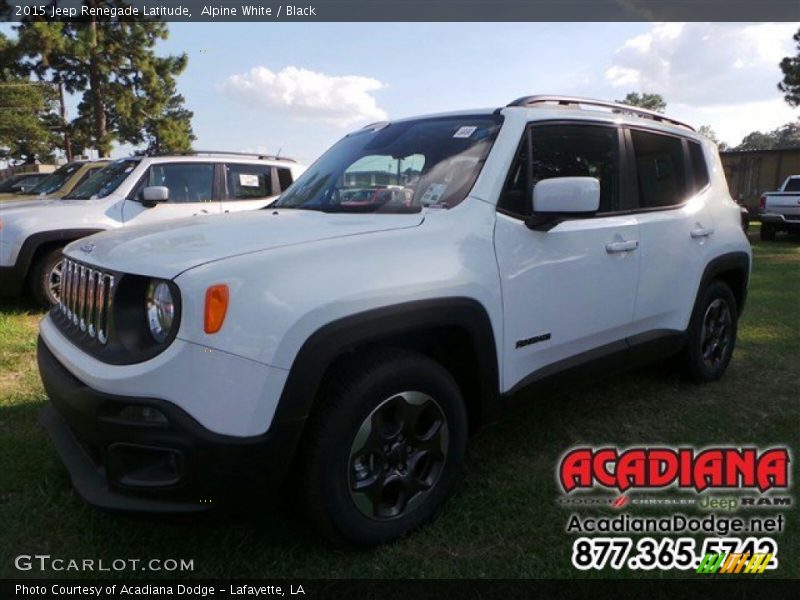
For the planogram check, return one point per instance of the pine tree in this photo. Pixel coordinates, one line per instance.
(128, 94)
(790, 86)
(644, 100)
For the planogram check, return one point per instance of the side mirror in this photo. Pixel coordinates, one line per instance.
(560, 198)
(154, 194)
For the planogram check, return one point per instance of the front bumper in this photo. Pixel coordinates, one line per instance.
(175, 465)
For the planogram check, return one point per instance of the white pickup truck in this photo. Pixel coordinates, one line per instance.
(780, 211)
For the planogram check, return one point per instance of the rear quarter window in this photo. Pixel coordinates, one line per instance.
(699, 167)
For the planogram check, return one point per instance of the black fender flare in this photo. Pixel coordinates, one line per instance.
(333, 340)
(731, 261)
(37, 240)
(14, 277)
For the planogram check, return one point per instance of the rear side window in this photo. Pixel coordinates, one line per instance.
(245, 181)
(699, 168)
(660, 169)
(565, 151)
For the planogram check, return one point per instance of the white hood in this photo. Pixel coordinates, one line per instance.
(167, 249)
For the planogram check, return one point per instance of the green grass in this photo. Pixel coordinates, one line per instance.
(503, 521)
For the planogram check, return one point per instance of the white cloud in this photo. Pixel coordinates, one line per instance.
(308, 95)
(703, 64)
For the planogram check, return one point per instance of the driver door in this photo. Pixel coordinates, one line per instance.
(191, 188)
(571, 290)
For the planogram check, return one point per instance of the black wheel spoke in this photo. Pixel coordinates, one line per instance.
(397, 455)
(715, 333)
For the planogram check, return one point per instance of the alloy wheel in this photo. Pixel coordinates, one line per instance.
(715, 338)
(397, 455)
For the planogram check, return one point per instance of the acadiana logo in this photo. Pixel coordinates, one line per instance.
(685, 468)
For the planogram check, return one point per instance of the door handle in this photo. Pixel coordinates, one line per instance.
(201, 212)
(702, 232)
(623, 246)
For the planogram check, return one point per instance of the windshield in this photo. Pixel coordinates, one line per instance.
(397, 167)
(56, 180)
(105, 181)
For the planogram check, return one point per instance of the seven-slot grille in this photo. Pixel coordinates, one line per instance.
(86, 301)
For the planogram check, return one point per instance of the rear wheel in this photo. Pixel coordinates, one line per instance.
(767, 232)
(45, 278)
(385, 447)
(712, 334)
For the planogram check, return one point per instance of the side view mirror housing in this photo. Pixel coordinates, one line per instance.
(560, 198)
(154, 194)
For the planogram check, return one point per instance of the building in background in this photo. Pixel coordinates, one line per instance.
(750, 173)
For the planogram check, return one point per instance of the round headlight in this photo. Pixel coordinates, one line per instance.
(160, 310)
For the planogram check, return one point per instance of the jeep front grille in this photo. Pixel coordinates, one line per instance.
(86, 298)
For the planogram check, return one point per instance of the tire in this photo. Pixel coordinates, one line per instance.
(396, 392)
(767, 233)
(711, 335)
(45, 280)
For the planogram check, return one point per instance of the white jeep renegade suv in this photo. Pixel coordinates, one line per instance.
(420, 273)
(129, 191)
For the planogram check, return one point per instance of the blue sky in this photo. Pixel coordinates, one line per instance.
(299, 87)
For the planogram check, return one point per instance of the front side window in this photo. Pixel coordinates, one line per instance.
(104, 181)
(660, 169)
(56, 180)
(244, 182)
(398, 167)
(186, 182)
(564, 151)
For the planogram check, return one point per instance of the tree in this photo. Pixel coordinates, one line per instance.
(654, 102)
(28, 122)
(43, 52)
(128, 94)
(708, 132)
(790, 65)
(785, 136)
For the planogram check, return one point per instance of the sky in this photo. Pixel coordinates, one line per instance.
(298, 87)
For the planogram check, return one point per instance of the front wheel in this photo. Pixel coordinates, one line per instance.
(46, 278)
(712, 334)
(385, 447)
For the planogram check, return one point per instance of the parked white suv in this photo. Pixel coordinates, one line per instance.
(353, 339)
(129, 191)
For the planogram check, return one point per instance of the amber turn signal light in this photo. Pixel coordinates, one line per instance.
(216, 307)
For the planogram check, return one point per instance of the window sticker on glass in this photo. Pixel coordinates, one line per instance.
(433, 194)
(247, 180)
(464, 132)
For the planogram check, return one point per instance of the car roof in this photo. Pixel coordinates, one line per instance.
(545, 108)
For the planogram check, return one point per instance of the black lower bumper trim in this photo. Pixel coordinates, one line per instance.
(172, 464)
(89, 483)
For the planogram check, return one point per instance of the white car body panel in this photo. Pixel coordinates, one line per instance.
(291, 272)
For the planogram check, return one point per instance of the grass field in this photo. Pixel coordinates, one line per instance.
(503, 521)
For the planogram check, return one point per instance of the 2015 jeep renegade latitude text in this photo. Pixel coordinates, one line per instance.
(418, 274)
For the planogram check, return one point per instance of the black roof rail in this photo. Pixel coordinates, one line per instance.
(225, 153)
(577, 102)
